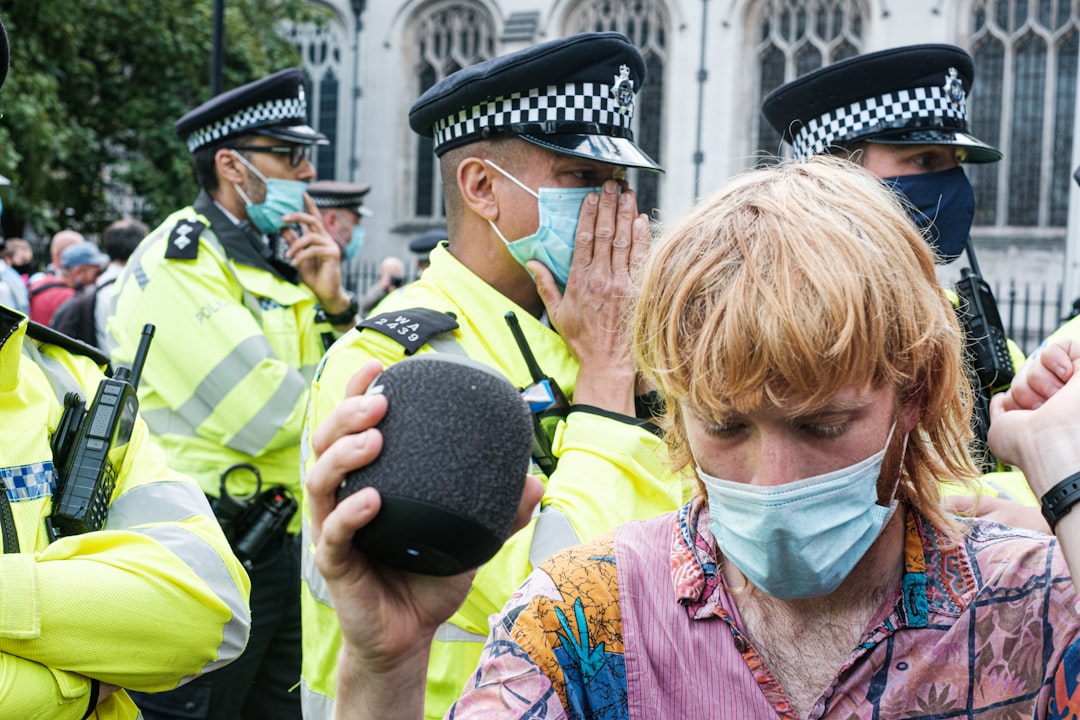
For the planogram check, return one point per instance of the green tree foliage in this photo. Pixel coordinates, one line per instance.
(95, 87)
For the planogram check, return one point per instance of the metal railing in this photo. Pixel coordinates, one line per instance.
(1031, 311)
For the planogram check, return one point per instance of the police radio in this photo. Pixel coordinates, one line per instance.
(987, 348)
(546, 401)
(89, 446)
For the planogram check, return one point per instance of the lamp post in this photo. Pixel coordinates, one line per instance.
(218, 58)
(358, 7)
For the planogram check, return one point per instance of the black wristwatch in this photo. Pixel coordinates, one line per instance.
(345, 315)
(1059, 500)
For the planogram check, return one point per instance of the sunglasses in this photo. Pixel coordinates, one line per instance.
(297, 153)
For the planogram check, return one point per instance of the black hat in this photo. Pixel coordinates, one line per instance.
(914, 95)
(573, 96)
(424, 243)
(275, 106)
(333, 194)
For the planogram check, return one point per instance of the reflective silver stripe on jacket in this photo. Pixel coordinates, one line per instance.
(315, 706)
(448, 632)
(207, 564)
(60, 380)
(167, 501)
(553, 532)
(219, 381)
(317, 586)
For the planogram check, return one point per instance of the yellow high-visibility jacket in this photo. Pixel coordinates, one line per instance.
(153, 599)
(611, 470)
(226, 380)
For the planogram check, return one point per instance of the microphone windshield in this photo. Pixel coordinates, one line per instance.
(457, 441)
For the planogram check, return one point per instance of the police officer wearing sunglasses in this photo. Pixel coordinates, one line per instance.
(244, 287)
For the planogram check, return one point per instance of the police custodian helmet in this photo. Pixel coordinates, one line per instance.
(913, 95)
(330, 194)
(275, 106)
(573, 96)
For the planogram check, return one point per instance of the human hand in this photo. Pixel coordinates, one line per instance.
(612, 240)
(1006, 512)
(316, 257)
(1035, 425)
(387, 616)
(1040, 377)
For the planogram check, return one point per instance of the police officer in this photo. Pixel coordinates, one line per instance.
(423, 244)
(543, 231)
(343, 211)
(148, 599)
(243, 285)
(902, 114)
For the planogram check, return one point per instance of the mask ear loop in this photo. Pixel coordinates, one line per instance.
(514, 180)
(517, 182)
(899, 463)
(254, 171)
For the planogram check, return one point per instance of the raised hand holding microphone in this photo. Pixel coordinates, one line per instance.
(388, 617)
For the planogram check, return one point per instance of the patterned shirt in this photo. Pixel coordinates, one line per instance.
(640, 624)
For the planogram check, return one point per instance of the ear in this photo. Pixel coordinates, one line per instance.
(331, 221)
(228, 167)
(475, 182)
(910, 413)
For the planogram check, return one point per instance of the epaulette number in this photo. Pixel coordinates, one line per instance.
(413, 328)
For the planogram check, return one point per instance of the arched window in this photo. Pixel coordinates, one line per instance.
(1024, 103)
(447, 36)
(320, 50)
(794, 37)
(646, 23)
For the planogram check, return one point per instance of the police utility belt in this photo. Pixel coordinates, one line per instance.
(250, 523)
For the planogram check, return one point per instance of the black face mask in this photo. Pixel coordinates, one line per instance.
(942, 206)
(25, 268)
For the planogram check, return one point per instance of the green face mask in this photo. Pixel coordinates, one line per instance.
(283, 197)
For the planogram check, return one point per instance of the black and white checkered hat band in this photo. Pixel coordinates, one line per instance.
(577, 103)
(913, 107)
(271, 112)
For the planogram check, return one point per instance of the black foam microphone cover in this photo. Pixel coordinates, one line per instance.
(457, 439)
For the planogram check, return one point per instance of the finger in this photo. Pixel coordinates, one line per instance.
(963, 505)
(313, 246)
(334, 551)
(546, 286)
(328, 472)
(623, 240)
(606, 222)
(1055, 359)
(583, 240)
(642, 240)
(355, 413)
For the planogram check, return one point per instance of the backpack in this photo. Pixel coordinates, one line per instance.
(75, 318)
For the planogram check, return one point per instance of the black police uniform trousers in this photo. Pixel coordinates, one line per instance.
(255, 686)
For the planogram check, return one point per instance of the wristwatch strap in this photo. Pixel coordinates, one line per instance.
(1060, 499)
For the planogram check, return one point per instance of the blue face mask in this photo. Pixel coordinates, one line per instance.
(553, 242)
(943, 208)
(799, 539)
(283, 197)
(356, 241)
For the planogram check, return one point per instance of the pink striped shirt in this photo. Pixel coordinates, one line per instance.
(638, 624)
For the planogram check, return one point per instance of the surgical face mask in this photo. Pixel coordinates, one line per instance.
(282, 198)
(802, 538)
(944, 208)
(553, 242)
(356, 241)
